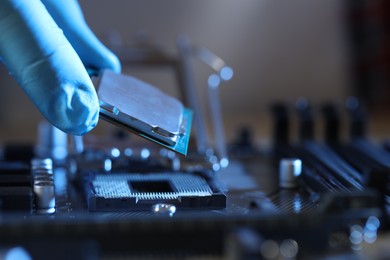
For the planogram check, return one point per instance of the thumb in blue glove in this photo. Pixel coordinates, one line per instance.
(44, 63)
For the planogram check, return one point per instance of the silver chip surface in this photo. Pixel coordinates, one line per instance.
(139, 105)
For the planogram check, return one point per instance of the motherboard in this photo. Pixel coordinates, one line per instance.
(307, 197)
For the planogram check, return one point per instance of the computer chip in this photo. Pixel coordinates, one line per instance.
(144, 109)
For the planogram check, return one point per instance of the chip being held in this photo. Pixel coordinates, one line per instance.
(142, 108)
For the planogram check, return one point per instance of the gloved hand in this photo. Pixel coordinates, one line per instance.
(40, 56)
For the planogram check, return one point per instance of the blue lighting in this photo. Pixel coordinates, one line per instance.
(115, 152)
(214, 81)
(145, 153)
(226, 73)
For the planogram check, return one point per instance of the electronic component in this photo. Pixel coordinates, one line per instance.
(289, 172)
(15, 187)
(126, 192)
(16, 198)
(144, 109)
(336, 190)
(44, 197)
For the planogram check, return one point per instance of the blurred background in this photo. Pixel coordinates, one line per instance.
(279, 50)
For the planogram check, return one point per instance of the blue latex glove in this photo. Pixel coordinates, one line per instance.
(41, 58)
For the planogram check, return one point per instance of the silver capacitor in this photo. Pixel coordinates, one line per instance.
(43, 178)
(41, 164)
(289, 171)
(42, 173)
(45, 201)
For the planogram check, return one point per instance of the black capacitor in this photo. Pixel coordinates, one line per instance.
(331, 116)
(306, 119)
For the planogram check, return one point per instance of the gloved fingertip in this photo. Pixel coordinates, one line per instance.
(82, 127)
(72, 107)
(82, 113)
